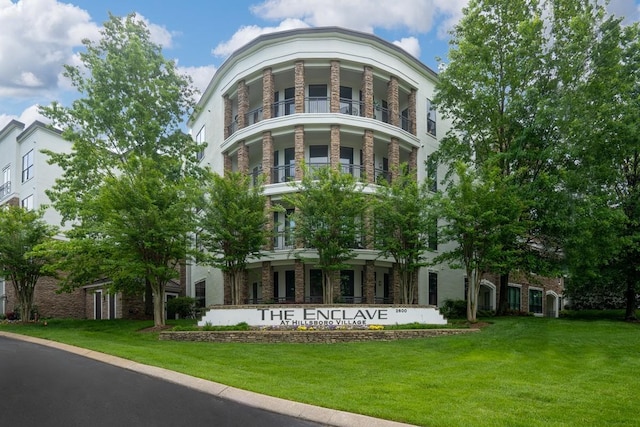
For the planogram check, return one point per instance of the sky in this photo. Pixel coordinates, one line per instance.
(37, 37)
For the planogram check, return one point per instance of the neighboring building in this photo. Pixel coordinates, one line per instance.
(325, 96)
(26, 175)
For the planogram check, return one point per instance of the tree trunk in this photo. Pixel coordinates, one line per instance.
(503, 300)
(148, 299)
(472, 296)
(327, 285)
(158, 304)
(24, 292)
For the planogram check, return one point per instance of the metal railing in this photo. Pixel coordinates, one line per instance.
(283, 240)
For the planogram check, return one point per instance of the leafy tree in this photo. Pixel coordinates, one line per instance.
(233, 226)
(20, 232)
(404, 227)
(479, 214)
(605, 162)
(131, 181)
(500, 92)
(329, 207)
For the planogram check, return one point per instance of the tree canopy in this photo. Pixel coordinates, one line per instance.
(405, 227)
(233, 226)
(130, 184)
(21, 231)
(329, 210)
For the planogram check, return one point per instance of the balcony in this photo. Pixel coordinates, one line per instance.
(320, 105)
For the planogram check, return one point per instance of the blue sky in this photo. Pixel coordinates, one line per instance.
(38, 36)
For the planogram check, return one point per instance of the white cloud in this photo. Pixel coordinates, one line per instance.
(201, 76)
(414, 16)
(28, 116)
(159, 34)
(247, 33)
(36, 38)
(410, 44)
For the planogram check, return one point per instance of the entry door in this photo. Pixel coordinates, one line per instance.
(315, 286)
(97, 305)
(290, 285)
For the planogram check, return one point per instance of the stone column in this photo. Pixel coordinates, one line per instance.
(299, 150)
(267, 157)
(243, 158)
(412, 113)
(334, 147)
(367, 152)
(413, 161)
(267, 93)
(334, 96)
(367, 92)
(393, 102)
(243, 103)
(299, 86)
(394, 157)
(370, 282)
(299, 272)
(267, 282)
(228, 116)
(228, 164)
(394, 289)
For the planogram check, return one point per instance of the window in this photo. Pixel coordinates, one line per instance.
(5, 186)
(535, 301)
(431, 118)
(27, 203)
(347, 282)
(200, 290)
(200, 141)
(289, 100)
(27, 166)
(433, 288)
(513, 295)
(346, 101)
(346, 159)
(318, 99)
(318, 156)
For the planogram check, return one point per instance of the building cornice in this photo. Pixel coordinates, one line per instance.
(308, 33)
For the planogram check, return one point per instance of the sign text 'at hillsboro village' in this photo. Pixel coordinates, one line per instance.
(322, 316)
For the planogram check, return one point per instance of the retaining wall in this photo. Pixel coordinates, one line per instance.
(307, 336)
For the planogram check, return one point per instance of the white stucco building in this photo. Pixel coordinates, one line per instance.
(325, 96)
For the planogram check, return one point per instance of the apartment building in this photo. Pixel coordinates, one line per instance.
(322, 96)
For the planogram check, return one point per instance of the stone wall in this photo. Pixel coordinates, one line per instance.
(324, 337)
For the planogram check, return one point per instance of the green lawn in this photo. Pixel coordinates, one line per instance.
(517, 372)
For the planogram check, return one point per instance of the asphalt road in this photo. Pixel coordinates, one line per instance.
(43, 386)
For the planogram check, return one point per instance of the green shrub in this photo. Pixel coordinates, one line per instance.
(184, 307)
(454, 309)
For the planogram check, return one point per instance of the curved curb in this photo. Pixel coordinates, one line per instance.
(304, 411)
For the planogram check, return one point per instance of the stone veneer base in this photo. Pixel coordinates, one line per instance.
(319, 336)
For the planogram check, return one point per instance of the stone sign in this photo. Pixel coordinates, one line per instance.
(322, 316)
